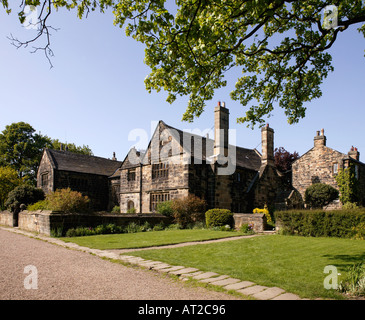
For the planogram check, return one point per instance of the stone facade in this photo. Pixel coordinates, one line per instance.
(321, 165)
(89, 175)
(177, 163)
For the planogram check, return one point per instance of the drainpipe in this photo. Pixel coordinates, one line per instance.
(140, 188)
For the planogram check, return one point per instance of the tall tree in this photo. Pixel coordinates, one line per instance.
(21, 148)
(284, 159)
(57, 145)
(8, 181)
(280, 46)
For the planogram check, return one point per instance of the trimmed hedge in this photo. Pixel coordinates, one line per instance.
(218, 218)
(320, 223)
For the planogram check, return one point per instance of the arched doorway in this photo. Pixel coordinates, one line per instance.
(130, 206)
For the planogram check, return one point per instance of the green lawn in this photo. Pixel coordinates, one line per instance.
(293, 263)
(148, 239)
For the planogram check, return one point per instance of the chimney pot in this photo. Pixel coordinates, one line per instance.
(221, 127)
(320, 139)
(267, 143)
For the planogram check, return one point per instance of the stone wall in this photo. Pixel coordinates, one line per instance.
(175, 184)
(316, 166)
(46, 221)
(96, 187)
(45, 168)
(257, 219)
(7, 218)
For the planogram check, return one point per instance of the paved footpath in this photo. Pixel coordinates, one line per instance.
(73, 274)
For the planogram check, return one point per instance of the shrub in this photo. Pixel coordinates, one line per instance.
(265, 211)
(165, 208)
(159, 227)
(23, 194)
(188, 210)
(247, 228)
(347, 184)
(354, 284)
(350, 206)
(359, 231)
(131, 211)
(319, 195)
(116, 209)
(132, 227)
(39, 205)
(218, 217)
(68, 201)
(321, 223)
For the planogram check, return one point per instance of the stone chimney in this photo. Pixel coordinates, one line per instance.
(267, 143)
(354, 154)
(221, 126)
(114, 158)
(320, 139)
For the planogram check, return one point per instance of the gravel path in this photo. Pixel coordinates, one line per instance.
(71, 274)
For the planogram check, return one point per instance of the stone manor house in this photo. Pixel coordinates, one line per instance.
(177, 163)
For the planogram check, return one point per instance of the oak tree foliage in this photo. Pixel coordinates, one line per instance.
(281, 47)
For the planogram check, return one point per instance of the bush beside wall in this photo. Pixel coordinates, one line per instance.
(320, 223)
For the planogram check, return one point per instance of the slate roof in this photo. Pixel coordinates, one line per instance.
(70, 161)
(245, 158)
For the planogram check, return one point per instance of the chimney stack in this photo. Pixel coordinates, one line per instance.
(114, 158)
(221, 126)
(354, 154)
(320, 139)
(267, 143)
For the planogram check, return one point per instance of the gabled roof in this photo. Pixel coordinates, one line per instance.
(245, 158)
(70, 161)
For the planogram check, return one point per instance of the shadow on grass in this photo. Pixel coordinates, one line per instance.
(346, 260)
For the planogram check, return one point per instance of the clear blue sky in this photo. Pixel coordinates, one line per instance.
(95, 93)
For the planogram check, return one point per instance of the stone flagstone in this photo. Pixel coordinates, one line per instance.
(185, 270)
(174, 268)
(209, 280)
(268, 293)
(150, 263)
(287, 296)
(205, 275)
(252, 290)
(225, 282)
(191, 274)
(161, 266)
(239, 285)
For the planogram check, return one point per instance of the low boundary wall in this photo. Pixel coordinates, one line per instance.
(257, 220)
(46, 221)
